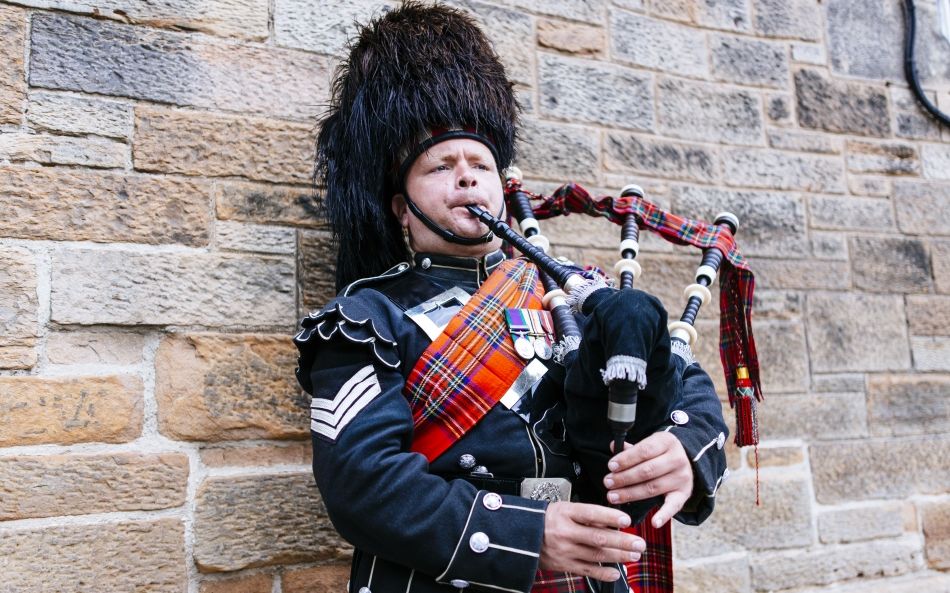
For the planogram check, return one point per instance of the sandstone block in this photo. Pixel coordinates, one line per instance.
(707, 112)
(71, 204)
(799, 19)
(13, 23)
(828, 245)
(783, 520)
(850, 213)
(774, 169)
(781, 349)
(779, 109)
(259, 511)
(574, 38)
(658, 44)
(239, 236)
(825, 416)
(219, 145)
(653, 156)
(87, 151)
(910, 583)
(916, 126)
(79, 115)
(53, 485)
(774, 456)
(230, 455)
(746, 61)
(115, 287)
(99, 558)
(771, 224)
(804, 141)
(936, 159)
(857, 332)
(804, 275)
(316, 270)
(225, 387)
(676, 10)
(940, 255)
(511, 32)
(40, 410)
(585, 90)
(890, 265)
(732, 15)
(559, 152)
(778, 304)
(177, 68)
(323, 29)
(928, 315)
(936, 523)
(835, 106)
(865, 38)
(838, 383)
(722, 576)
(931, 354)
(320, 579)
(86, 347)
(880, 468)
(890, 159)
(825, 566)
(845, 525)
(809, 53)
(267, 203)
(869, 186)
(590, 11)
(19, 321)
(255, 583)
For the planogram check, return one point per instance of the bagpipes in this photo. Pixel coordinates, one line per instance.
(623, 358)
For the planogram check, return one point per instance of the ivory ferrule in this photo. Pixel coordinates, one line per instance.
(684, 331)
(697, 290)
(628, 265)
(540, 241)
(630, 244)
(706, 272)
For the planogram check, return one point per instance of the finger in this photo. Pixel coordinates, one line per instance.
(591, 569)
(645, 471)
(606, 539)
(596, 515)
(657, 487)
(652, 446)
(671, 505)
(596, 555)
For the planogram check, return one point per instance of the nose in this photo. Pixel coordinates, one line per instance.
(466, 178)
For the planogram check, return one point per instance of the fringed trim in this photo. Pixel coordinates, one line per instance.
(625, 367)
(682, 350)
(565, 347)
(577, 296)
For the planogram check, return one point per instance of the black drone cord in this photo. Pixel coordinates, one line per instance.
(910, 67)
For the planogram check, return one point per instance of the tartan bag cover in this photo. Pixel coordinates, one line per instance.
(470, 366)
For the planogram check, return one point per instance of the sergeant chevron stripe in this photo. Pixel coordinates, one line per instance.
(330, 416)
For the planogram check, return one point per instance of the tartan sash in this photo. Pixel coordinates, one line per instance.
(471, 365)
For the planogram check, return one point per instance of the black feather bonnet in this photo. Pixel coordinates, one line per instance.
(411, 70)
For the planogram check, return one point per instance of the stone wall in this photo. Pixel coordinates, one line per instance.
(158, 242)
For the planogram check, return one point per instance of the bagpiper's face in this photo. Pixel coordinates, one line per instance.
(442, 181)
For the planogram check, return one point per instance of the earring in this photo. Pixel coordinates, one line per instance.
(407, 239)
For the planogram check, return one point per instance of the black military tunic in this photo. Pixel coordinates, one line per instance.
(420, 527)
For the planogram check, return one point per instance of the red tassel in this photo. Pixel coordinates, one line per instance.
(747, 426)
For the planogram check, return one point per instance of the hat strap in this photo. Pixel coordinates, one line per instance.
(446, 233)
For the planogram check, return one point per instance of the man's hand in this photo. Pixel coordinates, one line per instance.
(577, 537)
(656, 466)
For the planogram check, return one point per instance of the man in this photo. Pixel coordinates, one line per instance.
(421, 122)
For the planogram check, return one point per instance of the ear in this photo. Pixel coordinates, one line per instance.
(400, 209)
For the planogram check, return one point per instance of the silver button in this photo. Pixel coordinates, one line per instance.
(459, 583)
(365, 590)
(478, 543)
(577, 469)
(480, 469)
(679, 417)
(467, 461)
(426, 263)
(720, 440)
(725, 474)
(492, 501)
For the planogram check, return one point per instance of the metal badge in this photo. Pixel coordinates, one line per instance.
(531, 374)
(434, 314)
(549, 489)
(524, 347)
(543, 349)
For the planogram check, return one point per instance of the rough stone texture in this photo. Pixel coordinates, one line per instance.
(646, 154)
(931, 354)
(89, 151)
(770, 224)
(723, 576)
(804, 141)
(880, 468)
(779, 109)
(783, 520)
(928, 315)
(889, 159)
(100, 347)
(255, 583)
(79, 115)
(778, 304)
(19, 325)
(559, 152)
(839, 213)
(585, 90)
(782, 355)
(774, 456)
(574, 38)
(798, 19)
(936, 158)
(826, 566)
(940, 255)
(225, 387)
(890, 265)
(917, 126)
(13, 23)
(869, 186)
(511, 32)
(745, 61)
(732, 15)
(323, 29)
(41, 410)
(706, 112)
(261, 511)
(117, 287)
(857, 332)
(845, 525)
(658, 44)
(819, 417)
(100, 558)
(800, 274)
(828, 245)
(321, 579)
(47, 486)
(912, 583)
(935, 517)
(181, 69)
(837, 106)
(267, 203)
(316, 270)
(238, 236)
(226, 455)
(865, 38)
(809, 53)
(588, 10)
(194, 143)
(67, 204)
(774, 169)
(838, 382)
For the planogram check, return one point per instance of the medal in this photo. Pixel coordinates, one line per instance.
(524, 347)
(543, 349)
(520, 327)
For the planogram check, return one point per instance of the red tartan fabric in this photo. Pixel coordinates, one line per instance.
(653, 573)
(471, 365)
